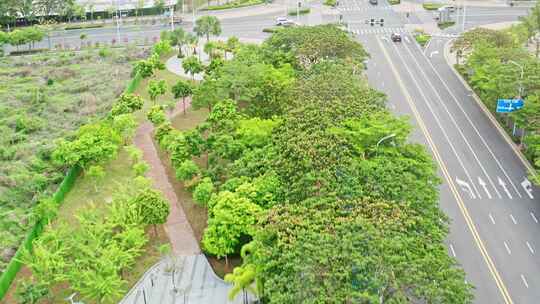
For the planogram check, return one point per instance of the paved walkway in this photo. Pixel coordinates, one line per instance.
(179, 231)
(184, 280)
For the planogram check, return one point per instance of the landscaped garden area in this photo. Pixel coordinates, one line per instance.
(286, 172)
(46, 97)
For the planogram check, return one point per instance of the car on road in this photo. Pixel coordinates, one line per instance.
(396, 37)
(450, 8)
(284, 21)
(374, 2)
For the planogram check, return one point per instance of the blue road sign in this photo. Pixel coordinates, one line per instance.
(509, 105)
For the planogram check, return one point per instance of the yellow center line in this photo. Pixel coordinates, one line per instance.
(461, 205)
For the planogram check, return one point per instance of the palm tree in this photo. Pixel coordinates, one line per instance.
(206, 26)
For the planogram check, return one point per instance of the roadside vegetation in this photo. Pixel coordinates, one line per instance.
(421, 37)
(332, 3)
(232, 4)
(491, 61)
(302, 11)
(299, 163)
(432, 6)
(108, 230)
(44, 98)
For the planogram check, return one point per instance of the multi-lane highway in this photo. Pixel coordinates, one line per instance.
(495, 234)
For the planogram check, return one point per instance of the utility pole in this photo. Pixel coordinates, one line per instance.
(193, 10)
(464, 13)
(172, 17)
(118, 13)
(298, 11)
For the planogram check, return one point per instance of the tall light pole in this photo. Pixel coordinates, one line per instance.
(172, 17)
(520, 77)
(464, 13)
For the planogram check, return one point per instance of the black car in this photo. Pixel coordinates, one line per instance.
(396, 37)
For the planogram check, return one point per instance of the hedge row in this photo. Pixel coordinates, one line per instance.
(15, 264)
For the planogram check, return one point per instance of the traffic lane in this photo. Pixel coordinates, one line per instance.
(444, 99)
(460, 240)
(429, 104)
(498, 244)
(464, 104)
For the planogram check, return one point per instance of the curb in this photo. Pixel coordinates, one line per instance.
(486, 111)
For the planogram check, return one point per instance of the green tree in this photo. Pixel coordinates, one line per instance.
(231, 217)
(153, 207)
(182, 89)
(162, 47)
(156, 88)
(125, 125)
(93, 144)
(206, 26)
(532, 24)
(159, 5)
(156, 115)
(203, 191)
(187, 170)
(192, 65)
(126, 104)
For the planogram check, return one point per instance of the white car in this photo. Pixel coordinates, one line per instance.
(283, 21)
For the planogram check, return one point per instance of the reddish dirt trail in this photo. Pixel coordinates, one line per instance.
(178, 229)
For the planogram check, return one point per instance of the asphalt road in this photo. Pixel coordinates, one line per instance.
(495, 231)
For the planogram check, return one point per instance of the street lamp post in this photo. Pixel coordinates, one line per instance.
(520, 77)
(385, 138)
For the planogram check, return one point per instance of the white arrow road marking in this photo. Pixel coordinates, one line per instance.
(503, 185)
(452, 249)
(433, 53)
(513, 219)
(507, 248)
(492, 219)
(530, 247)
(524, 281)
(484, 185)
(466, 187)
(527, 186)
(534, 218)
(407, 39)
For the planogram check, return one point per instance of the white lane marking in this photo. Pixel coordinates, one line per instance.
(452, 118)
(530, 247)
(534, 218)
(468, 119)
(524, 281)
(384, 38)
(437, 120)
(527, 186)
(492, 219)
(503, 185)
(407, 39)
(433, 53)
(507, 248)
(484, 185)
(513, 219)
(453, 251)
(466, 187)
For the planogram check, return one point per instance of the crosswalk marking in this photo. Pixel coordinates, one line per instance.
(380, 30)
(363, 9)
